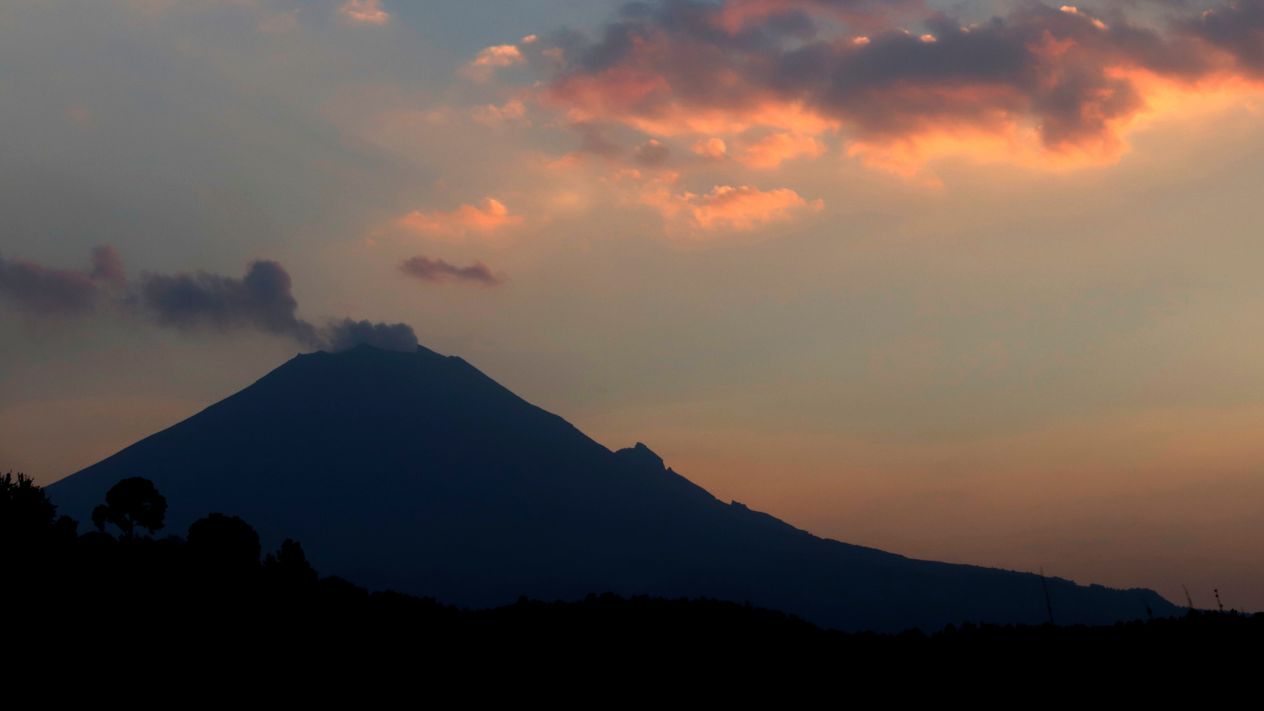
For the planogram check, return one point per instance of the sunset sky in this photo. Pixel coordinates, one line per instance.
(969, 281)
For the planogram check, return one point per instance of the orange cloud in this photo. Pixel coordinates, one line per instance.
(775, 148)
(1012, 139)
(1048, 88)
(710, 147)
(744, 207)
(725, 208)
(488, 217)
(368, 12)
(489, 59)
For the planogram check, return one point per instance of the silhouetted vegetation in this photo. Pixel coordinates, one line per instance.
(211, 595)
(131, 503)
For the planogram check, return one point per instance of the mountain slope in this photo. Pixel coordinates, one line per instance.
(415, 471)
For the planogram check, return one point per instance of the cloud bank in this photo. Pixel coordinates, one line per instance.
(898, 82)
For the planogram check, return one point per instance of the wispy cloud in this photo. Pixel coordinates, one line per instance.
(438, 270)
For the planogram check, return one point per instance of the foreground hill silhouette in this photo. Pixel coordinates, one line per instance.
(416, 472)
(208, 608)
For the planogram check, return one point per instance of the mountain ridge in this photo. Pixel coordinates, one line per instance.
(416, 471)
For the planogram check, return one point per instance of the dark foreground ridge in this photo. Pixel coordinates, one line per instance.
(416, 472)
(209, 603)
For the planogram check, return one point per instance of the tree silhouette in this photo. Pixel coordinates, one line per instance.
(289, 566)
(27, 516)
(24, 508)
(132, 502)
(225, 545)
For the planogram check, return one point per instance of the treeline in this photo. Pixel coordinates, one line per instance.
(123, 586)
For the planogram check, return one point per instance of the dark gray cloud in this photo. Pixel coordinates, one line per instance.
(1238, 27)
(764, 25)
(49, 291)
(438, 270)
(261, 300)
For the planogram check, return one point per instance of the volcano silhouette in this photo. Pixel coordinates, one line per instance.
(416, 472)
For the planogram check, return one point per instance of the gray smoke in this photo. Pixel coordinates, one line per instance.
(261, 300)
(51, 292)
(341, 335)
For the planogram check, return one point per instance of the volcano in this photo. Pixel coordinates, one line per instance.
(415, 472)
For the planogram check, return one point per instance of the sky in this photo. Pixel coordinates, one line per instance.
(967, 281)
